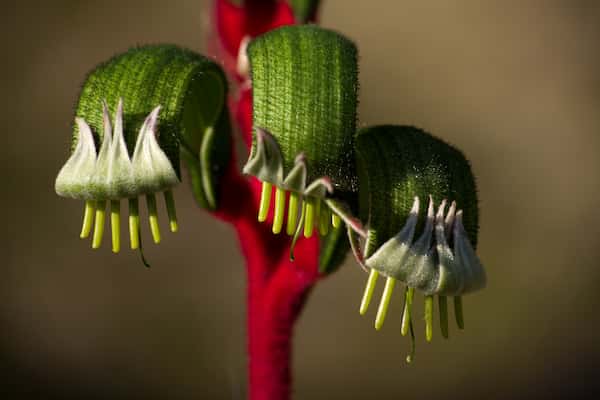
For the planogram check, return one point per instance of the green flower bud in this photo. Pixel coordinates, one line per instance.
(419, 200)
(168, 103)
(304, 84)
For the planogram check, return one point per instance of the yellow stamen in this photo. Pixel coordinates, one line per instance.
(368, 294)
(428, 318)
(408, 299)
(385, 302)
(279, 210)
(324, 220)
(134, 223)
(265, 202)
(170, 201)
(153, 217)
(115, 225)
(292, 218)
(99, 225)
(336, 221)
(88, 218)
(309, 221)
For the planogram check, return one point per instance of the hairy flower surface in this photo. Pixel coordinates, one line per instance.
(304, 86)
(111, 175)
(168, 105)
(400, 170)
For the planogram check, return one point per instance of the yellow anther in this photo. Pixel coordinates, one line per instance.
(309, 220)
(336, 221)
(368, 294)
(99, 224)
(153, 217)
(134, 223)
(115, 225)
(265, 202)
(292, 217)
(88, 218)
(324, 220)
(385, 302)
(408, 299)
(279, 210)
(170, 202)
(428, 318)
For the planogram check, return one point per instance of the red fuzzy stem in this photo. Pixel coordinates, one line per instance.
(277, 287)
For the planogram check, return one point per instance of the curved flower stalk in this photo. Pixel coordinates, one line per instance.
(169, 104)
(304, 82)
(419, 199)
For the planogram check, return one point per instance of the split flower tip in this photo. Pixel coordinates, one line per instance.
(266, 164)
(457, 269)
(110, 174)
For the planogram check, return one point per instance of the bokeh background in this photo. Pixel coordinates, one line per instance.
(514, 83)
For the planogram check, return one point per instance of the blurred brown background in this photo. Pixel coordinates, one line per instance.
(515, 84)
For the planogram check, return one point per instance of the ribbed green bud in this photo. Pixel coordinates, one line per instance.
(397, 164)
(419, 201)
(137, 114)
(304, 87)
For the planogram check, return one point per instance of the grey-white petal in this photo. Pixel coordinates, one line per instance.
(121, 183)
(74, 177)
(296, 179)
(266, 162)
(450, 279)
(419, 263)
(391, 256)
(99, 184)
(473, 271)
(152, 168)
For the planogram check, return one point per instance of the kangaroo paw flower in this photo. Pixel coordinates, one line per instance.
(173, 107)
(418, 195)
(110, 176)
(266, 163)
(304, 88)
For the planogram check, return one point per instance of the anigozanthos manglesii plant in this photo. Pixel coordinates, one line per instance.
(419, 200)
(304, 82)
(167, 103)
(416, 194)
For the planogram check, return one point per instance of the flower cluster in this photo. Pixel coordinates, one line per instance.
(266, 164)
(111, 175)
